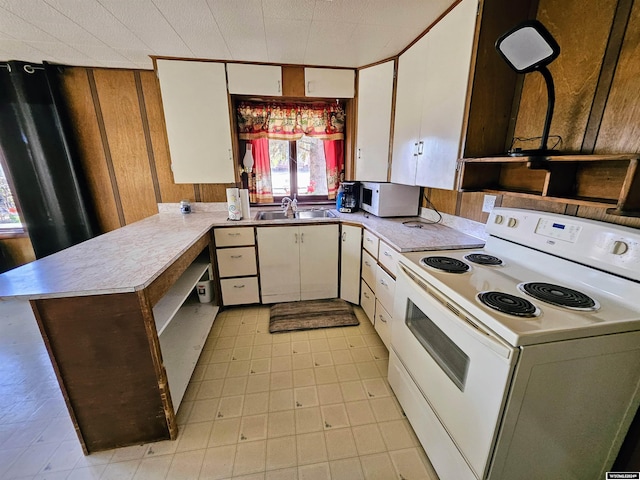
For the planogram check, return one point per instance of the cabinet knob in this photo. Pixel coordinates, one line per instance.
(383, 283)
(365, 294)
(382, 319)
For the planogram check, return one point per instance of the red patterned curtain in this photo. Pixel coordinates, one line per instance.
(260, 190)
(291, 121)
(334, 156)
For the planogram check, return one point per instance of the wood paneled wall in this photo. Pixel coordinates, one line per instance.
(597, 80)
(119, 127)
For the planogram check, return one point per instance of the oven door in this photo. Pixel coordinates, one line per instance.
(462, 370)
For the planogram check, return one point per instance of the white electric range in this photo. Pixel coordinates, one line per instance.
(521, 359)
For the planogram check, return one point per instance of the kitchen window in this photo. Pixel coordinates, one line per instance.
(10, 222)
(297, 149)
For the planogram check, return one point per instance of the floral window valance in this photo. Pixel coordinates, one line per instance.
(290, 121)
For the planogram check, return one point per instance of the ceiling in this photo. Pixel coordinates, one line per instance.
(123, 33)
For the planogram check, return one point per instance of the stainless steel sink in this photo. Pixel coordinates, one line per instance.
(300, 214)
(278, 215)
(315, 214)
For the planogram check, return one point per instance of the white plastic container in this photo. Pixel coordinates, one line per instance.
(204, 288)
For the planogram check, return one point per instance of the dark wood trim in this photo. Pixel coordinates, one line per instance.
(458, 203)
(392, 125)
(607, 73)
(105, 146)
(147, 136)
(197, 192)
(394, 57)
(56, 369)
(161, 57)
(161, 285)
(571, 210)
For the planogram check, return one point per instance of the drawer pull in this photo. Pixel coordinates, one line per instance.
(236, 256)
(382, 319)
(369, 240)
(387, 254)
(366, 295)
(366, 262)
(234, 234)
(383, 283)
(238, 286)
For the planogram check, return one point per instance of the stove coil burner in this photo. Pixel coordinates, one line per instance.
(509, 304)
(559, 296)
(446, 264)
(483, 259)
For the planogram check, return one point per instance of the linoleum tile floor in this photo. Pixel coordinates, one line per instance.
(309, 405)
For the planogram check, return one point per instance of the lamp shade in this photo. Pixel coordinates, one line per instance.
(247, 161)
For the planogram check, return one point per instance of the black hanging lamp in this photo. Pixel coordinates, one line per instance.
(529, 47)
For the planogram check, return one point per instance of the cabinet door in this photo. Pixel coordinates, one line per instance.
(409, 97)
(375, 95)
(318, 261)
(351, 243)
(246, 79)
(329, 82)
(450, 43)
(196, 111)
(278, 259)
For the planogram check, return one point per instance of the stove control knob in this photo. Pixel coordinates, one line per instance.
(512, 222)
(498, 220)
(619, 248)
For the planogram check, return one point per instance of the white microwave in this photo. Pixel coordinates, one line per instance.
(389, 199)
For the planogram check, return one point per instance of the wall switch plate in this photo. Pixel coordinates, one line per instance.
(488, 203)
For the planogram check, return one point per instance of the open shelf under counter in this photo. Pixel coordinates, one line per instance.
(182, 343)
(170, 303)
(606, 181)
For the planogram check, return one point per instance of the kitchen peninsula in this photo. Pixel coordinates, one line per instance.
(121, 332)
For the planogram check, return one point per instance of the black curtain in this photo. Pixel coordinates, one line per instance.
(49, 186)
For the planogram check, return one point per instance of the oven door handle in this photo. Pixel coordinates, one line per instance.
(481, 334)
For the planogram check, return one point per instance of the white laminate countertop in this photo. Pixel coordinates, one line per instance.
(130, 258)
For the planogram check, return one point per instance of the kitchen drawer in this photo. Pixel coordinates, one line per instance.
(367, 301)
(383, 324)
(236, 262)
(385, 288)
(234, 237)
(369, 266)
(370, 243)
(388, 257)
(239, 291)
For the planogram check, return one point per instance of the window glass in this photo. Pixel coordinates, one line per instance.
(311, 167)
(9, 218)
(298, 166)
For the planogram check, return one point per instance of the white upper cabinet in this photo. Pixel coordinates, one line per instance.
(246, 79)
(329, 82)
(375, 98)
(196, 111)
(433, 77)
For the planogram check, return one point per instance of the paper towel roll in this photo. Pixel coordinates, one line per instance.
(233, 204)
(244, 201)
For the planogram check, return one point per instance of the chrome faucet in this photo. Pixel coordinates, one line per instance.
(289, 206)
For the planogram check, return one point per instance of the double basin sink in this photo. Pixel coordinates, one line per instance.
(298, 215)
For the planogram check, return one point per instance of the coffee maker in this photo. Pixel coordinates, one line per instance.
(351, 197)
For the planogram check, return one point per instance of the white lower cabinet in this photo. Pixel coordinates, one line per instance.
(383, 324)
(237, 266)
(368, 301)
(350, 252)
(240, 291)
(298, 262)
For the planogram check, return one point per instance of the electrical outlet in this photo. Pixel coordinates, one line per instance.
(488, 203)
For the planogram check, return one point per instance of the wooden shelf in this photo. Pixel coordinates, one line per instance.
(169, 304)
(182, 342)
(606, 181)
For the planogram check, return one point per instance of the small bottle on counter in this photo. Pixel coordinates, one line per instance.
(185, 206)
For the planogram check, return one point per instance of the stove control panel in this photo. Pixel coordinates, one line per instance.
(558, 230)
(605, 246)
